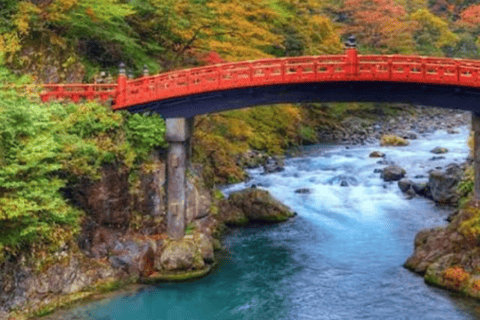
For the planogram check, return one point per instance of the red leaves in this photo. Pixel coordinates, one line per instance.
(470, 17)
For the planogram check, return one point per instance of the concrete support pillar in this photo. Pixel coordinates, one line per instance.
(476, 154)
(178, 136)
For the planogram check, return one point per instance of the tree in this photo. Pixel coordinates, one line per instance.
(432, 33)
(380, 24)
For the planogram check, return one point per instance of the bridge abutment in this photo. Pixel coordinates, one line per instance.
(179, 131)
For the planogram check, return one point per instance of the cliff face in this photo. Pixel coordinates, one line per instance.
(123, 238)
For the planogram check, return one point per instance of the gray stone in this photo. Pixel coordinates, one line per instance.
(442, 185)
(436, 158)
(303, 190)
(439, 150)
(180, 254)
(377, 154)
(410, 136)
(393, 173)
(404, 184)
(205, 246)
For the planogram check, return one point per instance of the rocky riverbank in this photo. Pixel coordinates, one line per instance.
(119, 245)
(123, 238)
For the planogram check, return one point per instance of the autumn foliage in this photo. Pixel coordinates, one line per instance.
(456, 275)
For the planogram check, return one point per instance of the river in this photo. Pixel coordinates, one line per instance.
(340, 258)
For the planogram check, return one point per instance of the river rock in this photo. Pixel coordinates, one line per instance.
(439, 150)
(180, 254)
(377, 154)
(393, 173)
(410, 136)
(343, 180)
(273, 164)
(436, 158)
(404, 184)
(303, 190)
(204, 245)
(137, 258)
(421, 188)
(443, 185)
(259, 205)
(231, 215)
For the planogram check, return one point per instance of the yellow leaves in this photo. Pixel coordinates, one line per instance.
(26, 10)
(435, 27)
(9, 42)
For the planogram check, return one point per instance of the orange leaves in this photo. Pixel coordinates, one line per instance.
(381, 24)
(470, 17)
(456, 275)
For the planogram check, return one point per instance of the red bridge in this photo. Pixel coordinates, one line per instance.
(180, 95)
(443, 82)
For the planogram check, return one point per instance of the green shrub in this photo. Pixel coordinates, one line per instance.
(44, 147)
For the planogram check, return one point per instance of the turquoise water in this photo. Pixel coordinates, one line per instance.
(340, 258)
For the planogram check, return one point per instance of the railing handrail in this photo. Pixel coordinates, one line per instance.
(275, 71)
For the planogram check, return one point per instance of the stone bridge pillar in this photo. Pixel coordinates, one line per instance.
(178, 135)
(476, 155)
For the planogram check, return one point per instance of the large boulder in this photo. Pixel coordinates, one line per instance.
(137, 258)
(205, 246)
(180, 254)
(442, 185)
(231, 215)
(259, 205)
(393, 173)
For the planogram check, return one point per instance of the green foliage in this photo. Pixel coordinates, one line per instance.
(145, 132)
(189, 228)
(44, 147)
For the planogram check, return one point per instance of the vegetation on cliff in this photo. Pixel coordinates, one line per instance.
(43, 148)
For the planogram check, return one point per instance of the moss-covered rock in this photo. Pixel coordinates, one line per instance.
(204, 245)
(392, 140)
(180, 254)
(259, 205)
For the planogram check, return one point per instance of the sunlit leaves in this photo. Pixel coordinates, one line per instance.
(432, 30)
(380, 24)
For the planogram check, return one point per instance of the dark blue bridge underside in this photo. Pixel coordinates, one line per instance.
(416, 94)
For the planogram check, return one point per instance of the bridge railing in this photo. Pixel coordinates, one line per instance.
(77, 92)
(265, 72)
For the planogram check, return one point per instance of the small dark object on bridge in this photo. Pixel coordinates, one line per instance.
(351, 42)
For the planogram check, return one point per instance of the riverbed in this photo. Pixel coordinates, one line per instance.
(341, 257)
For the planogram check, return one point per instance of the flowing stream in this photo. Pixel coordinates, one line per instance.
(340, 258)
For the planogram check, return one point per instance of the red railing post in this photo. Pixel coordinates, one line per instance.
(352, 57)
(121, 94)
